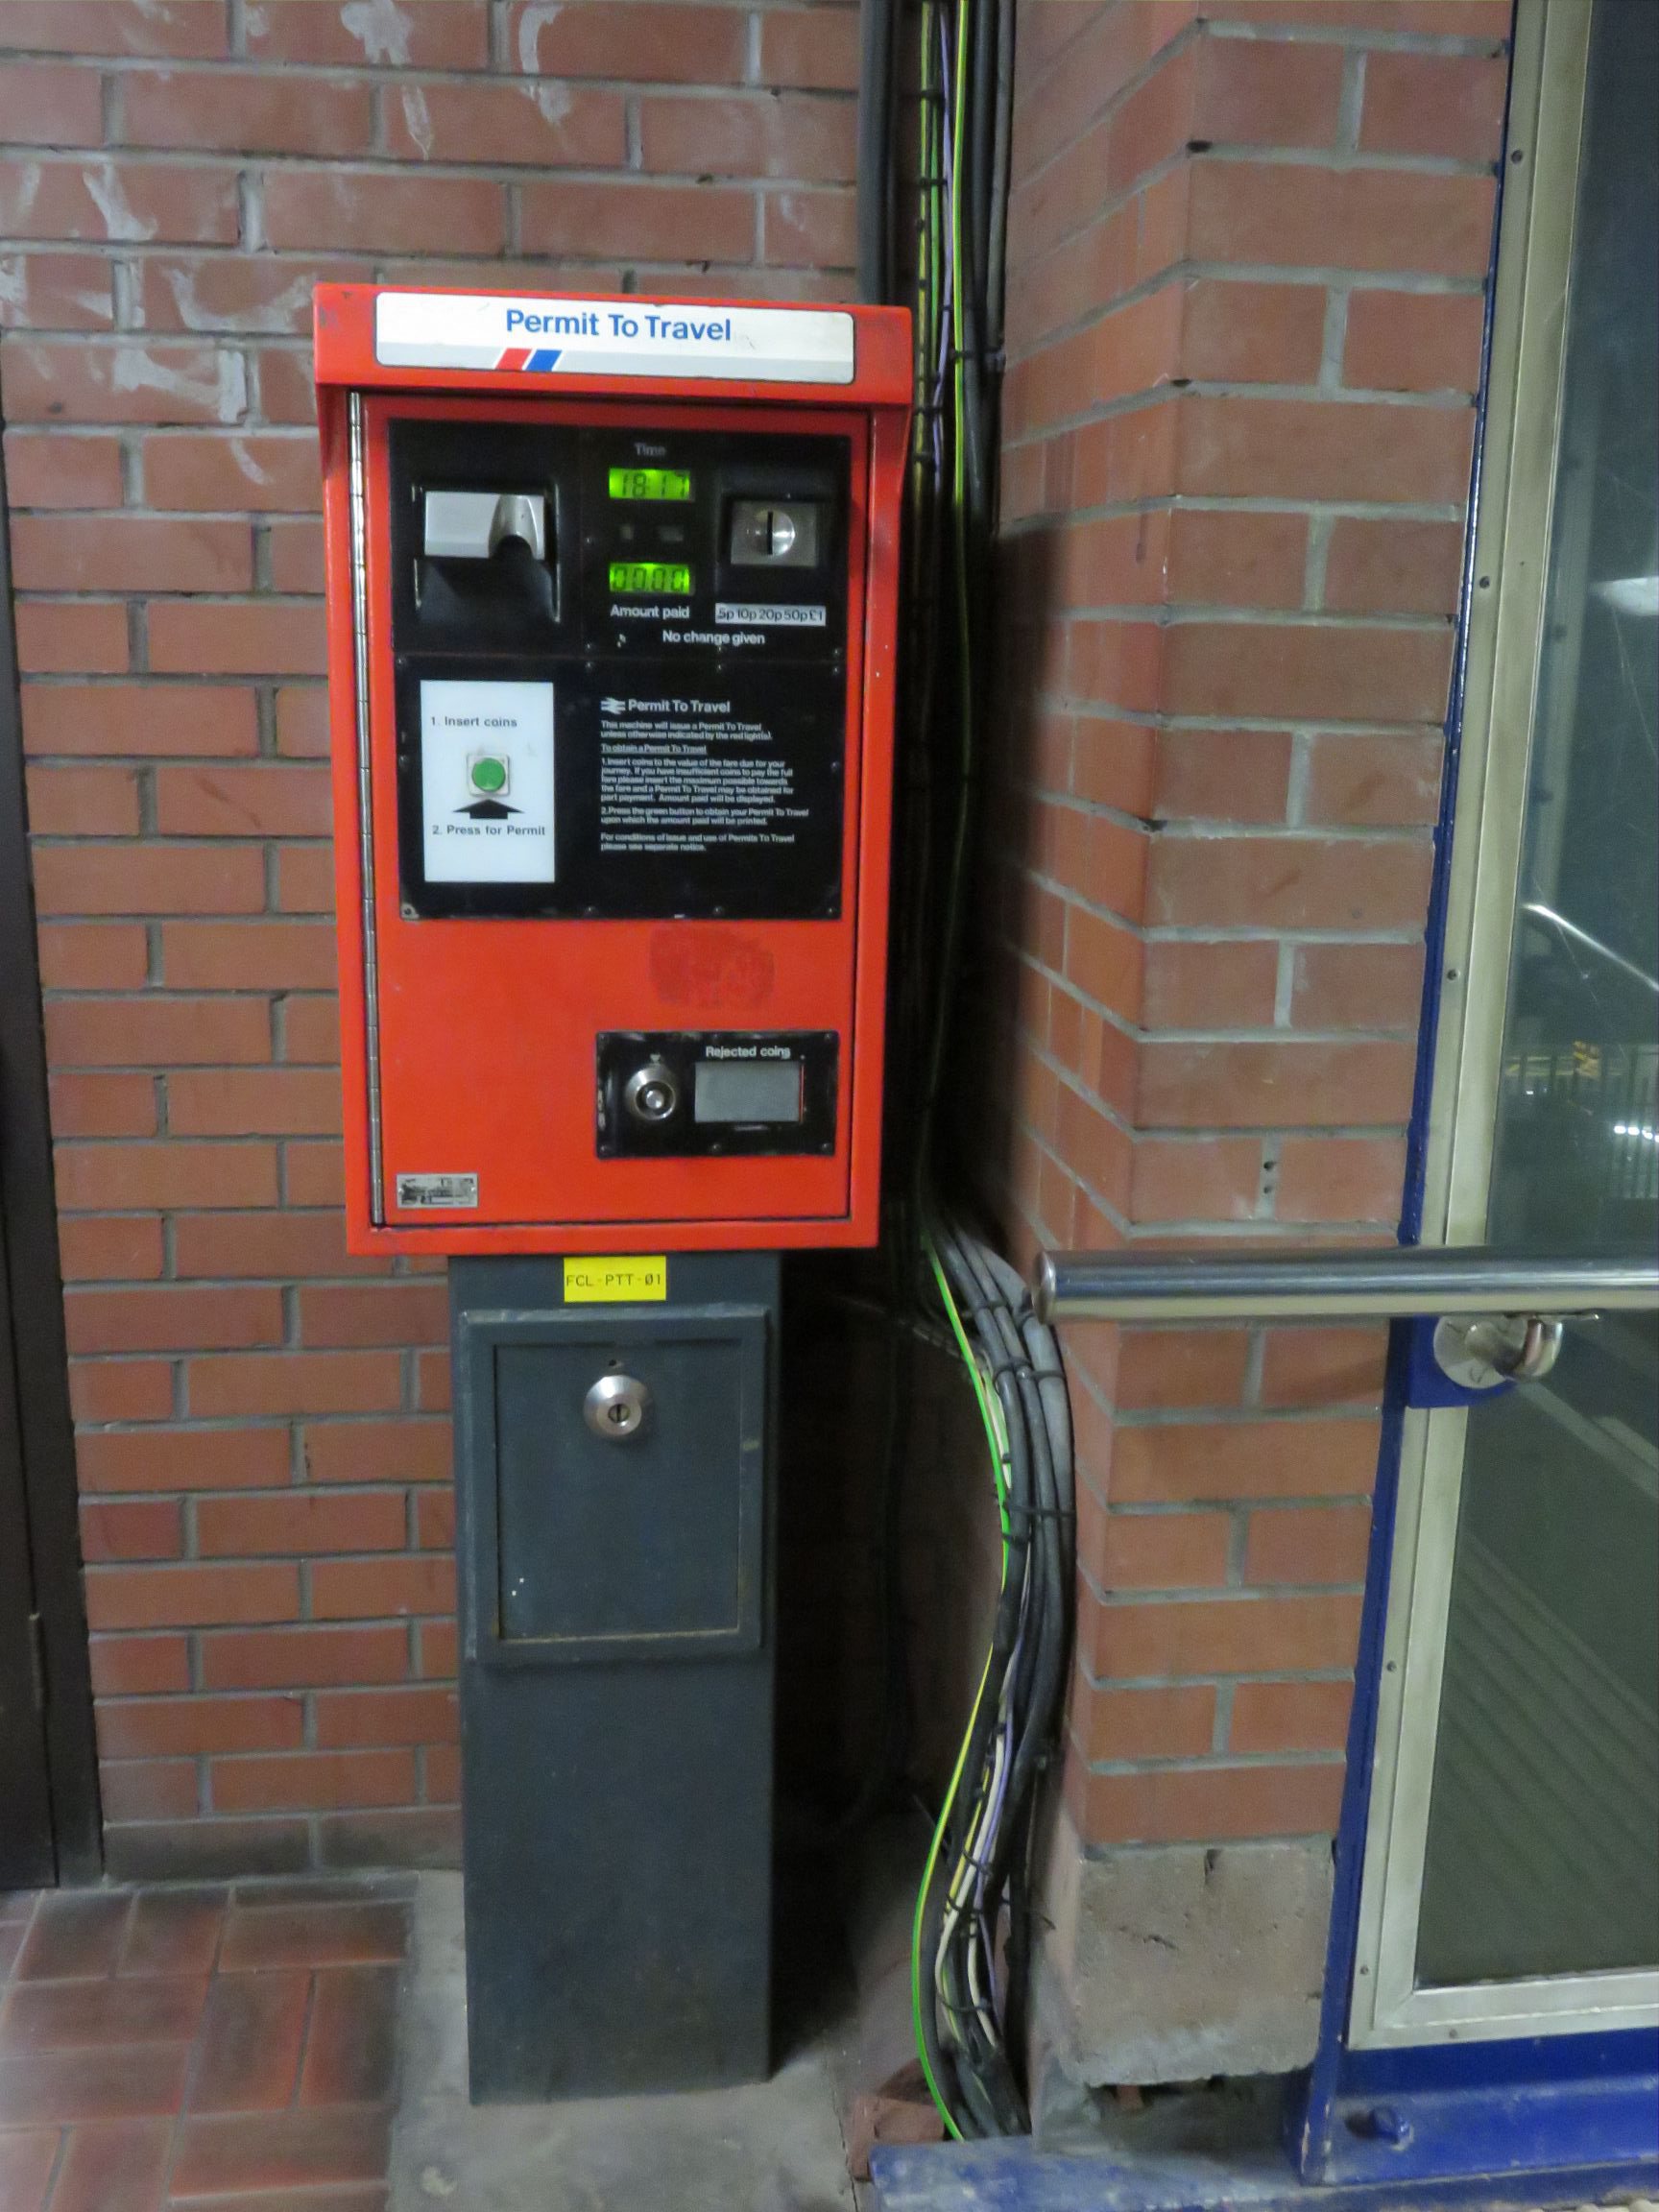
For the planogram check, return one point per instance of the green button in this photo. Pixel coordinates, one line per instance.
(488, 775)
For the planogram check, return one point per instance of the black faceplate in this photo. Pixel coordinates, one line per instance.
(699, 742)
(623, 1053)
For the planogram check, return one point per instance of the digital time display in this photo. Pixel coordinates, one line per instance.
(650, 484)
(669, 577)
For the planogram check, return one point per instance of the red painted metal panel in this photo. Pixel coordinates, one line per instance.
(485, 1051)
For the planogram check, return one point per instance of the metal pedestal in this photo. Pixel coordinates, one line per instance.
(613, 1471)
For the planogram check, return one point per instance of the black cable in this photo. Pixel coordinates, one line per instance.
(877, 30)
(1023, 1881)
(1027, 1678)
(997, 289)
(975, 1921)
(981, 152)
(941, 2063)
(1024, 1682)
(1045, 1662)
(974, 223)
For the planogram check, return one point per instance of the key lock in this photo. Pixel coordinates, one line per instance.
(1479, 1351)
(616, 1407)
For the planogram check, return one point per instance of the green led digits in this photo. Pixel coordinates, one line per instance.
(650, 484)
(665, 576)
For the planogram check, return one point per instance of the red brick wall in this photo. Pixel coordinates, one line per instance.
(264, 1453)
(1247, 251)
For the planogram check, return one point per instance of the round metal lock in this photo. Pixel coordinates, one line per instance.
(616, 1406)
(652, 1094)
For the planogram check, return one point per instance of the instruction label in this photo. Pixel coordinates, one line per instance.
(692, 776)
(487, 782)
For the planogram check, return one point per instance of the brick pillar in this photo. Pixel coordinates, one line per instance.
(1247, 253)
(263, 1441)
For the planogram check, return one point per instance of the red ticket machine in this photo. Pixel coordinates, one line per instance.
(612, 602)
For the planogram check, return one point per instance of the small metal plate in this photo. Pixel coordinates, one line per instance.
(438, 1191)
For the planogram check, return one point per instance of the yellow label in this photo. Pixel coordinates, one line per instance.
(615, 1282)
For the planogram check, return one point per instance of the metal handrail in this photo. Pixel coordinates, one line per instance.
(1393, 1284)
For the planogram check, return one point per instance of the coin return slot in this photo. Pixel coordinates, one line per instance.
(747, 1091)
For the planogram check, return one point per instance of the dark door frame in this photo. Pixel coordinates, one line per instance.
(32, 1308)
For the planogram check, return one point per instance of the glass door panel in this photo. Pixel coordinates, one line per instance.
(1541, 1857)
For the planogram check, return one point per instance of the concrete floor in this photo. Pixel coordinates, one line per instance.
(774, 2148)
(237, 2043)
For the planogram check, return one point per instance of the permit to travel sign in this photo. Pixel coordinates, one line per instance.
(542, 337)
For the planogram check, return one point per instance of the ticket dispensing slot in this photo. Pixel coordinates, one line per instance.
(477, 539)
(473, 525)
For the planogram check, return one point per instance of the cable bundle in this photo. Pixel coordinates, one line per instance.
(971, 1938)
(965, 77)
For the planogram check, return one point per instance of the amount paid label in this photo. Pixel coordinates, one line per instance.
(615, 1282)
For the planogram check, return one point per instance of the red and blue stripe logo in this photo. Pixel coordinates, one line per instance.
(521, 359)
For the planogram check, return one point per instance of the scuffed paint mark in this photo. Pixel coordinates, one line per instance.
(380, 27)
(106, 193)
(538, 13)
(244, 461)
(132, 369)
(419, 118)
(553, 100)
(229, 800)
(15, 287)
(275, 314)
(28, 190)
(255, 21)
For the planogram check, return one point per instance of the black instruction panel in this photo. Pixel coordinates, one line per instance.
(621, 670)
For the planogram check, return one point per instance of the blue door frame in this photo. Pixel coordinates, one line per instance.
(1434, 2111)
(1571, 2101)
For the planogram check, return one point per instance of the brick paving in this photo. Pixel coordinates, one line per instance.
(221, 2049)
